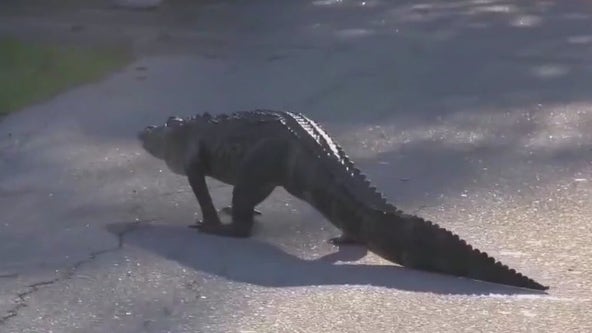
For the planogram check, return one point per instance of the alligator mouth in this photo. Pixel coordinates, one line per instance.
(151, 140)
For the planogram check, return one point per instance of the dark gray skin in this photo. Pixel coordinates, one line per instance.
(256, 151)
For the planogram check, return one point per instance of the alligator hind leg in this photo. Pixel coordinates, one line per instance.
(260, 172)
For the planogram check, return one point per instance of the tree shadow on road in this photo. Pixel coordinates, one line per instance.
(448, 56)
(260, 263)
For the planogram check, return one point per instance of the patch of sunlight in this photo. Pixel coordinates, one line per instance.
(526, 21)
(326, 2)
(542, 128)
(493, 9)
(550, 70)
(362, 3)
(422, 6)
(483, 2)
(581, 39)
(562, 127)
(354, 33)
(370, 3)
(371, 141)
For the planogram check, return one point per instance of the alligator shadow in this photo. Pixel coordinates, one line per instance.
(259, 263)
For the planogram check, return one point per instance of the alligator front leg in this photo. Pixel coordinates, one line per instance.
(259, 173)
(196, 176)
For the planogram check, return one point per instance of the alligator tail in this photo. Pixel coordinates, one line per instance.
(416, 243)
(349, 202)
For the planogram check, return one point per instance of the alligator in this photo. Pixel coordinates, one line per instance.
(258, 150)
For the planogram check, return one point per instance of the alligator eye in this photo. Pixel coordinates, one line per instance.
(151, 127)
(173, 121)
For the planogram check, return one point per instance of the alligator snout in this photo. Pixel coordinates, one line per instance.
(142, 134)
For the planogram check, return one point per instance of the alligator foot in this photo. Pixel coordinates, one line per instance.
(343, 240)
(228, 211)
(227, 230)
(209, 222)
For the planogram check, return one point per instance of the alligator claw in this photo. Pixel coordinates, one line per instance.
(207, 223)
(342, 240)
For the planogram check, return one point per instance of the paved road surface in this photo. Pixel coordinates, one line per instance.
(476, 115)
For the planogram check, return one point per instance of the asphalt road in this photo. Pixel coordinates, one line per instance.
(476, 115)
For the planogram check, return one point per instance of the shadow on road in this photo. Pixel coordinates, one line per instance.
(256, 262)
(421, 60)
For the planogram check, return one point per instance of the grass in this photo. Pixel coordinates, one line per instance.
(32, 72)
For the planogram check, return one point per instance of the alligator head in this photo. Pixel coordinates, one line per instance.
(167, 142)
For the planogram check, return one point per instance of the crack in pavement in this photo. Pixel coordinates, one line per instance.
(21, 298)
